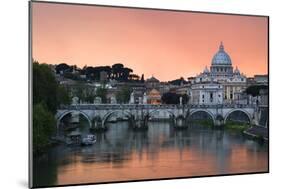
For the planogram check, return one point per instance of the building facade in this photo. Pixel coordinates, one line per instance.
(229, 83)
(154, 97)
(206, 93)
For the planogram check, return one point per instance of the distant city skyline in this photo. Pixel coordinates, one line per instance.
(165, 44)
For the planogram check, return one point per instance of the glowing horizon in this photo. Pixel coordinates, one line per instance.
(165, 44)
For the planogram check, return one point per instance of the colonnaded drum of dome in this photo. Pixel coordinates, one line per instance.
(124, 94)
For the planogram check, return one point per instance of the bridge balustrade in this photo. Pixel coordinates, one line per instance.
(149, 106)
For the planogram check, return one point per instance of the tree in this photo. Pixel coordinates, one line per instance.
(73, 76)
(90, 73)
(63, 67)
(178, 82)
(78, 92)
(123, 95)
(142, 78)
(63, 96)
(254, 90)
(44, 86)
(47, 96)
(185, 98)
(90, 98)
(94, 73)
(170, 98)
(108, 71)
(125, 74)
(101, 92)
(134, 77)
(46, 89)
(43, 127)
(173, 98)
(117, 71)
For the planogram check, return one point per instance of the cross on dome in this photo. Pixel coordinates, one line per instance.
(221, 46)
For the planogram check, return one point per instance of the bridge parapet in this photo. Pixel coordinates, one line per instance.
(149, 106)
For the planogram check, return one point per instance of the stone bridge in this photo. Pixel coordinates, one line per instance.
(138, 115)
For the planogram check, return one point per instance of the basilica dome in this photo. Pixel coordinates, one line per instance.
(221, 57)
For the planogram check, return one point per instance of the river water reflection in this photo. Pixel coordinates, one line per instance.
(121, 154)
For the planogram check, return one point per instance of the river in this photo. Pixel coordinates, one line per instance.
(121, 154)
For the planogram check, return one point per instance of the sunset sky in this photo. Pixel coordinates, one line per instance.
(165, 44)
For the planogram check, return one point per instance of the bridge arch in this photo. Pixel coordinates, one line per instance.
(202, 110)
(238, 110)
(61, 116)
(109, 114)
(158, 110)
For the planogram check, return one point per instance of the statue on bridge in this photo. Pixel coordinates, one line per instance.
(113, 100)
(181, 100)
(97, 100)
(132, 98)
(75, 100)
(144, 99)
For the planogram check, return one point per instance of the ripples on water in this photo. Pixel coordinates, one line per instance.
(161, 152)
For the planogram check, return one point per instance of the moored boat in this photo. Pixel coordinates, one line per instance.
(88, 140)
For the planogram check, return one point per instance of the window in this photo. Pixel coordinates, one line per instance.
(203, 96)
